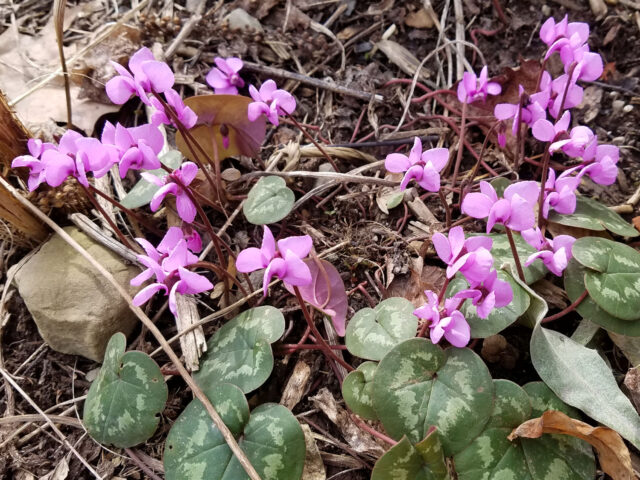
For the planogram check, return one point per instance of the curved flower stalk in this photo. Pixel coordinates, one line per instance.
(423, 167)
(555, 254)
(515, 210)
(175, 183)
(167, 263)
(270, 101)
(224, 77)
(282, 259)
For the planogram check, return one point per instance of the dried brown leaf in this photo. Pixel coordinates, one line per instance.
(403, 58)
(612, 452)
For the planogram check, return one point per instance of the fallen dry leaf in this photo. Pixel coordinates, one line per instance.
(632, 382)
(25, 60)
(313, 465)
(612, 452)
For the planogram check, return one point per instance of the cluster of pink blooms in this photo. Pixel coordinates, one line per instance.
(472, 258)
(423, 167)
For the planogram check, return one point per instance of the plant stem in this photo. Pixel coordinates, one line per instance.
(323, 344)
(447, 210)
(514, 252)
(313, 140)
(133, 214)
(372, 431)
(456, 167)
(569, 309)
(543, 181)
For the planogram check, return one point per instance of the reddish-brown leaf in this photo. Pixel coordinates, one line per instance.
(228, 112)
(612, 452)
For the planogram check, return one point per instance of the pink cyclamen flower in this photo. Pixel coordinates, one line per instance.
(133, 148)
(560, 193)
(175, 184)
(545, 131)
(555, 254)
(528, 114)
(574, 96)
(469, 256)
(185, 115)
(489, 294)
(472, 88)
(282, 259)
(448, 322)
(37, 173)
(579, 140)
(515, 210)
(271, 101)
(225, 79)
(145, 75)
(601, 165)
(167, 263)
(550, 31)
(424, 167)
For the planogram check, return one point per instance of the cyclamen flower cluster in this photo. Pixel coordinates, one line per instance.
(167, 263)
(472, 258)
(423, 167)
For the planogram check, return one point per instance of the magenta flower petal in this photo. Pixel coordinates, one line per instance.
(186, 208)
(119, 89)
(442, 246)
(299, 246)
(397, 162)
(250, 260)
(192, 282)
(528, 190)
(268, 247)
(297, 272)
(522, 216)
(477, 205)
(147, 292)
(458, 332)
(158, 197)
(414, 173)
(439, 157)
(276, 268)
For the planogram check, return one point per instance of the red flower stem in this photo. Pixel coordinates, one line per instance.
(125, 241)
(519, 135)
(569, 309)
(313, 140)
(447, 210)
(372, 431)
(306, 346)
(474, 172)
(514, 252)
(543, 181)
(133, 214)
(323, 344)
(463, 124)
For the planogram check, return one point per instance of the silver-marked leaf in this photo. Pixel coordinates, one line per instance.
(372, 332)
(592, 215)
(501, 251)
(424, 461)
(269, 201)
(357, 390)
(124, 402)
(499, 318)
(588, 309)
(492, 456)
(240, 351)
(143, 191)
(613, 280)
(270, 437)
(581, 378)
(418, 385)
(542, 399)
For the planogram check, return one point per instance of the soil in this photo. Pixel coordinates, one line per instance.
(373, 240)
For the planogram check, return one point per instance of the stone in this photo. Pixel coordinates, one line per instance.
(240, 20)
(74, 307)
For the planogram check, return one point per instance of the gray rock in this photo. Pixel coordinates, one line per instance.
(239, 19)
(74, 307)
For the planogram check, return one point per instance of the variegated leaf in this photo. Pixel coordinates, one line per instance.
(240, 351)
(418, 385)
(357, 390)
(499, 318)
(613, 278)
(424, 461)
(492, 456)
(372, 332)
(270, 437)
(124, 402)
(269, 201)
(592, 215)
(588, 309)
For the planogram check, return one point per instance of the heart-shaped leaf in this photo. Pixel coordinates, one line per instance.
(269, 201)
(330, 299)
(499, 318)
(501, 251)
(588, 309)
(581, 378)
(372, 332)
(418, 385)
(143, 191)
(491, 455)
(227, 113)
(357, 390)
(613, 280)
(240, 351)
(270, 437)
(124, 402)
(424, 461)
(592, 215)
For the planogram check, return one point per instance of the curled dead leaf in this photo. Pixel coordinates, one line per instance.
(612, 452)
